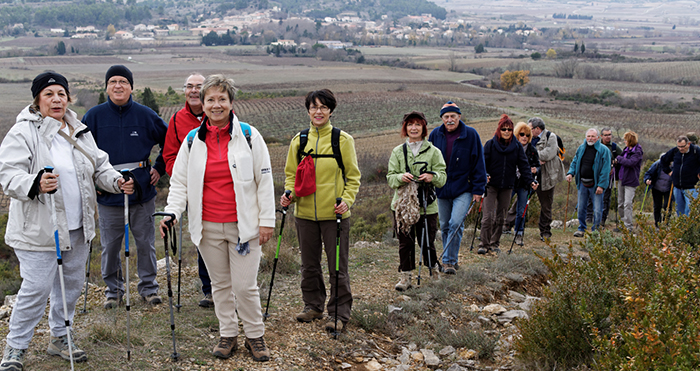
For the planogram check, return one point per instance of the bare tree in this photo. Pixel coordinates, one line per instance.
(566, 68)
(452, 58)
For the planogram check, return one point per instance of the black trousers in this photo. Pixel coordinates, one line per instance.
(407, 243)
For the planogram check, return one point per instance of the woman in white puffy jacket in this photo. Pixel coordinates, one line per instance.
(48, 134)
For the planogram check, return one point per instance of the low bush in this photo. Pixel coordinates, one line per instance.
(633, 306)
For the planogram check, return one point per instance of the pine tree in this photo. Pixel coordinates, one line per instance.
(148, 100)
(583, 47)
(575, 46)
(102, 98)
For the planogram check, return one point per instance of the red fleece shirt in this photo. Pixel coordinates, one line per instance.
(218, 196)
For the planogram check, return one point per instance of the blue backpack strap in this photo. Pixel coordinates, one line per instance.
(190, 137)
(246, 131)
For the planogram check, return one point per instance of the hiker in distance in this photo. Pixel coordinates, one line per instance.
(409, 215)
(182, 122)
(127, 131)
(685, 172)
(591, 170)
(318, 172)
(627, 166)
(47, 133)
(615, 150)
(506, 164)
(551, 172)
(466, 179)
(523, 133)
(660, 183)
(223, 174)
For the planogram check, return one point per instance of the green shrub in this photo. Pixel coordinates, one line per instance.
(633, 306)
(371, 220)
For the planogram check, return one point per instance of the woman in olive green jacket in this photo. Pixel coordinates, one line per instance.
(415, 149)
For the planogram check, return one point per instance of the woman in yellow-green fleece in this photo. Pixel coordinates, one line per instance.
(316, 212)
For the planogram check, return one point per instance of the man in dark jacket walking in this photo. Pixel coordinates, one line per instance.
(466, 178)
(685, 173)
(127, 131)
(591, 169)
(615, 150)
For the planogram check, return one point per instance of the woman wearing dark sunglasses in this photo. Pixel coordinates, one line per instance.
(504, 158)
(523, 134)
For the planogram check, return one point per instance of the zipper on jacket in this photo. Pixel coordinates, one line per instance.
(318, 137)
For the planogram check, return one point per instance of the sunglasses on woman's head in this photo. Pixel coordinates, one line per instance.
(506, 129)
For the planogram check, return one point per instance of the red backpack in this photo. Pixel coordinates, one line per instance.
(305, 181)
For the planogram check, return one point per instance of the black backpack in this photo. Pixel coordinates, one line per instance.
(335, 145)
(562, 151)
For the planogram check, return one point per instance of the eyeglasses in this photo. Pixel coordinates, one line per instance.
(190, 87)
(607, 135)
(524, 135)
(506, 129)
(323, 109)
(117, 82)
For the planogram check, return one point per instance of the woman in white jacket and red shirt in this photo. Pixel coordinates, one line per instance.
(219, 172)
(39, 139)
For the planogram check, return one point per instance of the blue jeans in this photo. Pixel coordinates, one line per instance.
(452, 212)
(683, 199)
(520, 209)
(584, 194)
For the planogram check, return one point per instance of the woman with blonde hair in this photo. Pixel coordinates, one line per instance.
(627, 168)
(523, 133)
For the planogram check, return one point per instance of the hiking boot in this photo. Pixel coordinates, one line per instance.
(226, 347)
(331, 323)
(153, 299)
(519, 239)
(309, 315)
(112, 303)
(12, 359)
(482, 250)
(207, 302)
(495, 250)
(258, 349)
(59, 347)
(405, 282)
(579, 233)
(450, 269)
(617, 230)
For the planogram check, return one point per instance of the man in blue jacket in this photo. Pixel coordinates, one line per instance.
(466, 178)
(591, 169)
(127, 131)
(685, 173)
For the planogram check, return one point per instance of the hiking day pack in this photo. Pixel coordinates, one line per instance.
(562, 151)
(305, 180)
(244, 127)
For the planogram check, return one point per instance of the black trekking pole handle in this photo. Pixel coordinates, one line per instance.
(287, 194)
(49, 169)
(168, 223)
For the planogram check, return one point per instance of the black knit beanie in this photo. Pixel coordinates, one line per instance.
(119, 70)
(42, 80)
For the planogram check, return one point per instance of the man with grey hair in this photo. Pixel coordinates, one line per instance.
(591, 169)
(685, 172)
(182, 122)
(551, 172)
(615, 150)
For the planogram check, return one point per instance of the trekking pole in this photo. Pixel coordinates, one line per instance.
(479, 215)
(644, 199)
(179, 267)
(566, 209)
(668, 207)
(287, 193)
(522, 223)
(425, 244)
(87, 277)
(173, 244)
(127, 175)
(617, 194)
(59, 259)
(338, 218)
